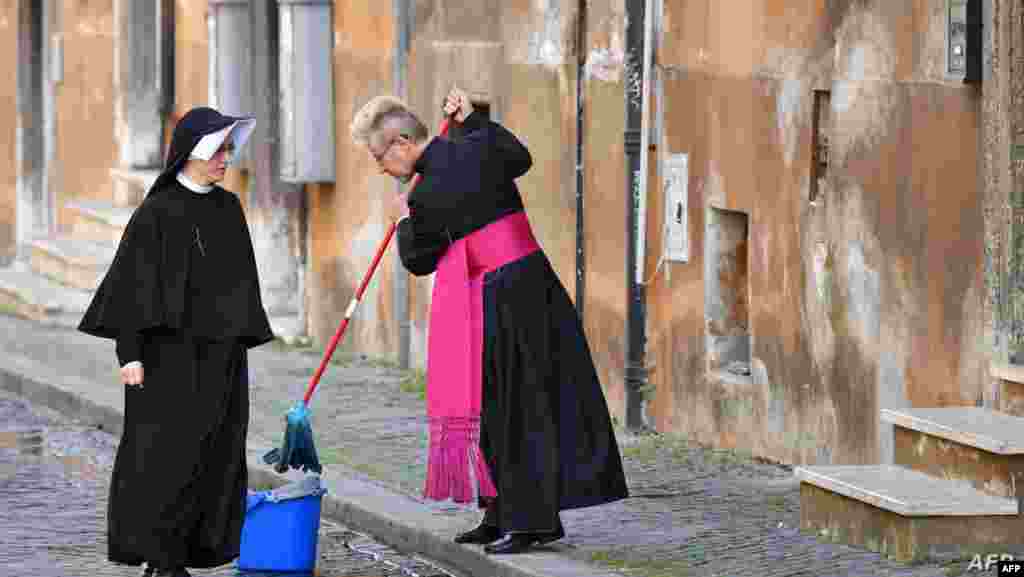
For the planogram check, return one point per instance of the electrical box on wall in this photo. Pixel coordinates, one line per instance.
(306, 39)
(230, 32)
(676, 178)
(964, 42)
(956, 37)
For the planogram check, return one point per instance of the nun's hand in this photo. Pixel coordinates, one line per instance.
(132, 374)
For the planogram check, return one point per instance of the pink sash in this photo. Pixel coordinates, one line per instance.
(455, 356)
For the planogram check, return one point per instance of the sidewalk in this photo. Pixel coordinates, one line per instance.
(693, 512)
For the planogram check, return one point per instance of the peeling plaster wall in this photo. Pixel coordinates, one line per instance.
(998, 173)
(191, 56)
(86, 146)
(871, 297)
(8, 128)
(348, 219)
(191, 82)
(605, 196)
(1004, 181)
(522, 54)
(540, 40)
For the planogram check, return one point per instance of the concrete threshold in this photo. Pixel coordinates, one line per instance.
(976, 427)
(905, 492)
(408, 525)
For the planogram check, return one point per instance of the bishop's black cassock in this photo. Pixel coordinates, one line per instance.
(545, 429)
(182, 296)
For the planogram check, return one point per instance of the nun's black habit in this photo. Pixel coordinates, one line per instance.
(182, 296)
(546, 432)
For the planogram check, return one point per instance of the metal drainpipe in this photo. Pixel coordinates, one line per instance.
(581, 58)
(403, 21)
(635, 376)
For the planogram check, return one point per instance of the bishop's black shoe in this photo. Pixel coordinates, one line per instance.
(543, 538)
(510, 544)
(482, 535)
(519, 542)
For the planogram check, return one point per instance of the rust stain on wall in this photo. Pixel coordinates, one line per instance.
(849, 301)
(8, 127)
(191, 57)
(347, 219)
(874, 296)
(85, 143)
(604, 229)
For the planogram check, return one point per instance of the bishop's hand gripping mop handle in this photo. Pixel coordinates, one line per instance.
(359, 292)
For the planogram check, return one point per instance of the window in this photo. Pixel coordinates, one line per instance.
(230, 41)
(821, 124)
(306, 86)
(727, 300)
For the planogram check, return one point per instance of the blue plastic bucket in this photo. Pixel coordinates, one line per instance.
(281, 535)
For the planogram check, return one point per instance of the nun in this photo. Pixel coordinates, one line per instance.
(181, 300)
(517, 415)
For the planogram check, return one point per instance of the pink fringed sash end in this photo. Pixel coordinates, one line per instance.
(455, 459)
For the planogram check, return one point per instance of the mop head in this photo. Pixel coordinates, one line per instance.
(297, 451)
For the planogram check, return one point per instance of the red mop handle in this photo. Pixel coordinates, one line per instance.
(359, 292)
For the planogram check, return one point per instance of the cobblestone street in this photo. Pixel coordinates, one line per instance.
(693, 512)
(53, 483)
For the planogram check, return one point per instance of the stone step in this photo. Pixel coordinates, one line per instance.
(98, 221)
(290, 329)
(1011, 388)
(979, 446)
(130, 186)
(905, 514)
(26, 294)
(72, 262)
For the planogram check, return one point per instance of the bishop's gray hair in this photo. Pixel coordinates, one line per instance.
(386, 112)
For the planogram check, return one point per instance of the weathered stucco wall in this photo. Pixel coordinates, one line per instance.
(348, 220)
(191, 55)
(538, 41)
(1004, 180)
(8, 127)
(499, 49)
(1002, 177)
(541, 43)
(85, 140)
(605, 196)
(869, 298)
(455, 45)
(191, 78)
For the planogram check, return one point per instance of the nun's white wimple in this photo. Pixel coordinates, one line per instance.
(209, 144)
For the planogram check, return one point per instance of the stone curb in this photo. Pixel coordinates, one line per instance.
(392, 518)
